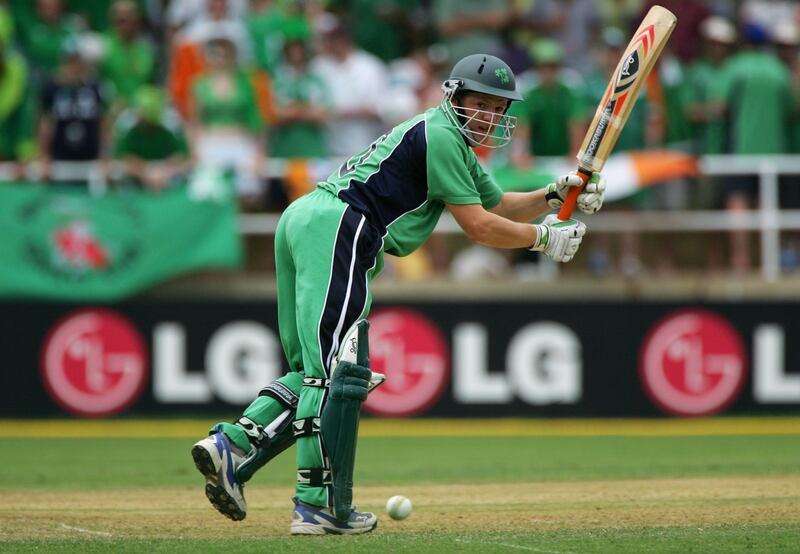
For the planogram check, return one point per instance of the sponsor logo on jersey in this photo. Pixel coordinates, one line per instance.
(692, 363)
(411, 351)
(94, 363)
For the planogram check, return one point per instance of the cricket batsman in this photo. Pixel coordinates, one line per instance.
(329, 245)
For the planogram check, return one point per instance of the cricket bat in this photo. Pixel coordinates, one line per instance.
(639, 58)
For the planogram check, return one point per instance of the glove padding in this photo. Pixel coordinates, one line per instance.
(559, 239)
(590, 199)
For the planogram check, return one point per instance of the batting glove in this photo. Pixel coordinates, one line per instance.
(590, 199)
(559, 239)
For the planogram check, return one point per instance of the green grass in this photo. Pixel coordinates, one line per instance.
(66, 465)
(115, 463)
(720, 539)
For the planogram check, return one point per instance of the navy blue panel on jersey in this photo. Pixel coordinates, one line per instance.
(400, 185)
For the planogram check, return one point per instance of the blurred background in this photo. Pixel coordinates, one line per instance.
(148, 148)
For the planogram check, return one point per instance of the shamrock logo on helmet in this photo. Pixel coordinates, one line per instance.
(502, 73)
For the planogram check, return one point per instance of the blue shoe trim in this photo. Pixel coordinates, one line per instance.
(308, 513)
(224, 448)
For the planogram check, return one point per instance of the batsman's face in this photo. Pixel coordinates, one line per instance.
(488, 111)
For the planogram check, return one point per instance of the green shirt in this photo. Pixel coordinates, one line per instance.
(549, 111)
(147, 141)
(269, 31)
(375, 30)
(300, 139)
(43, 44)
(237, 109)
(17, 111)
(704, 83)
(403, 180)
(127, 66)
(757, 89)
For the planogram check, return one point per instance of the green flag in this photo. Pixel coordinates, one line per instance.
(65, 244)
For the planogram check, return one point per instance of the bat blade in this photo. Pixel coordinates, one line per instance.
(630, 74)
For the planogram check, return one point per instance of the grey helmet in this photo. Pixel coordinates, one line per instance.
(485, 74)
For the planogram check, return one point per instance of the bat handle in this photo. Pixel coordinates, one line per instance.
(572, 196)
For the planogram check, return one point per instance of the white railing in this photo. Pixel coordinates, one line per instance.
(767, 219)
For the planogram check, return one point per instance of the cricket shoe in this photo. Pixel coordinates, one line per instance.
(217, 458)
(313, 520)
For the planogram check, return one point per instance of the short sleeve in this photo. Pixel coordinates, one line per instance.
(454, 174)
(448, 171)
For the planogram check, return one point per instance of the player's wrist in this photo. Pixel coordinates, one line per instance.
(542, 238)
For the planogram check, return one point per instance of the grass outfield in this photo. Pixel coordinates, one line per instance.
(705, 486)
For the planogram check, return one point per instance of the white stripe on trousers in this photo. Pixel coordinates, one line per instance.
(335, 343)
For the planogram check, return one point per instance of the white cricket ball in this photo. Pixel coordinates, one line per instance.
(398, 507)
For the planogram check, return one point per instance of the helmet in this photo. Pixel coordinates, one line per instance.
(488, 75)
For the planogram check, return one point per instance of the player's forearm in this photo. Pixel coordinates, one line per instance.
(498, 232)
(522, 206)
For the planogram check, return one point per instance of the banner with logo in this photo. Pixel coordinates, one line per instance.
(441, 359)
(65, 244)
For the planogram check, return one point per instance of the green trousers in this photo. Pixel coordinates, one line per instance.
(326, 255)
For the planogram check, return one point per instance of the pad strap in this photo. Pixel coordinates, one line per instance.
(314, 476)
(305, 427)
(281, 393)
(319, 383)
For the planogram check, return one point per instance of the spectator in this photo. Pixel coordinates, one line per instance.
(148, 138)
(756, 90)
(552, 115)
(183, 14)
(71, 124)
(269, 25)
(470, 26)
(385, 28)
(303, 105)
(17, 105)
(704, 77)
(188, 60)
(704, 110)
(43, 37)
(225, 124)
(570, 22)
(356, 81)
(128, 59)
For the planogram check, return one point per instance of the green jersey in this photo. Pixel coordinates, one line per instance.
(127, 66)
(549, 111)
(299, 139)
(149, 141)
(703, 84)
(757, 89)
(403, 180)
(239, 108)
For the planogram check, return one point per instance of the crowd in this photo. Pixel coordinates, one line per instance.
(161, 87)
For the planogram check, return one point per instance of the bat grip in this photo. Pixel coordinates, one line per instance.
(572, 195)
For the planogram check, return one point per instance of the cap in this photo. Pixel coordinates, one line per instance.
(547, 51)
(718, 29)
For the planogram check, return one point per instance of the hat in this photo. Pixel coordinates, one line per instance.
(547, 51)
(718, 29)
(755, 33)
(786, 32)
(149, 102)
(613, 37)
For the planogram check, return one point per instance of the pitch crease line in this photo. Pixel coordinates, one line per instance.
(81, 530)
